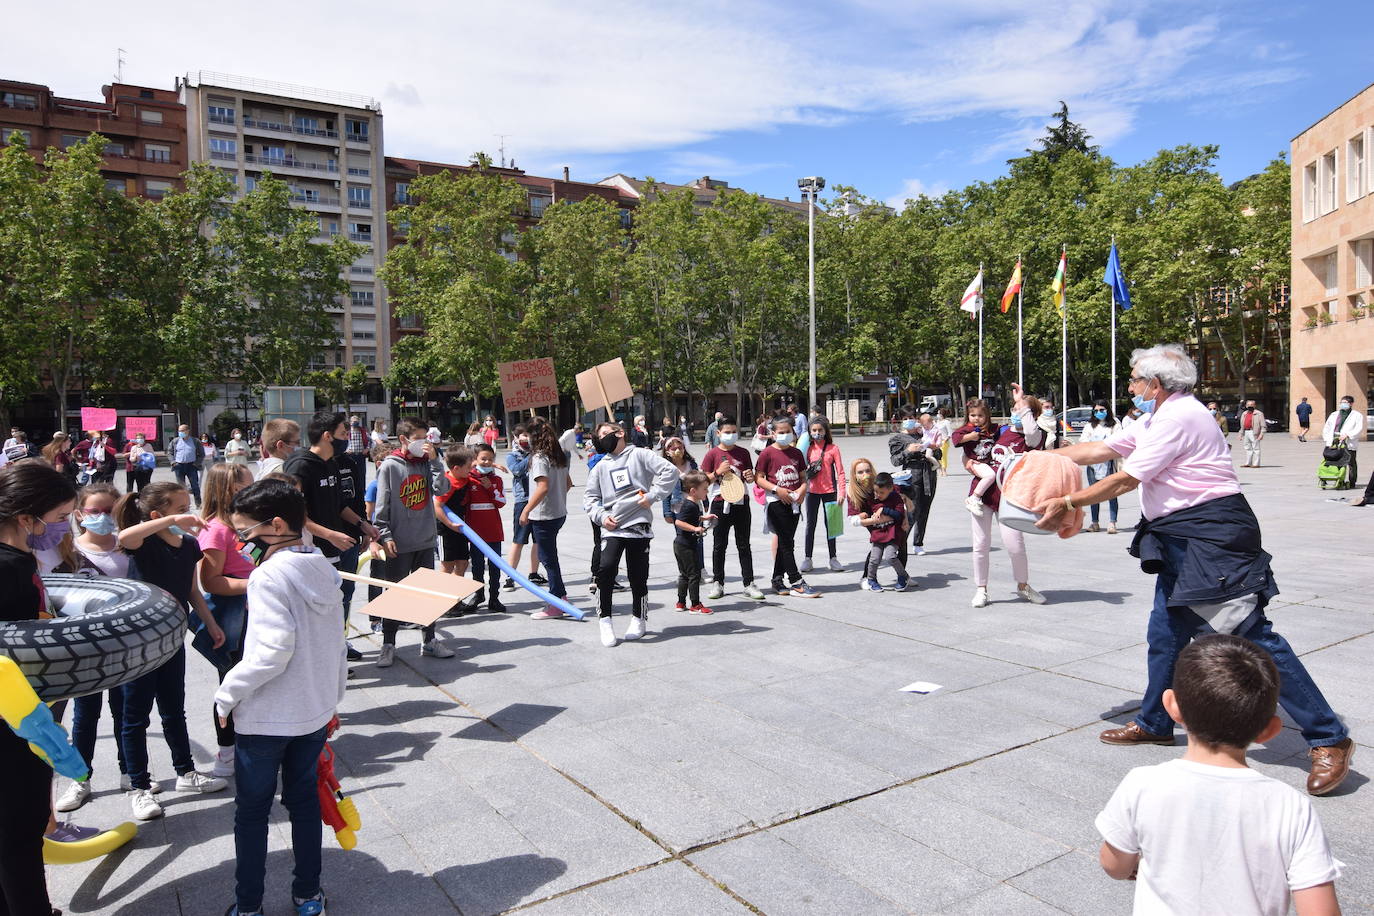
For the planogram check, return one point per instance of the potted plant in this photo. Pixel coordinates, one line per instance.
(1310, 323)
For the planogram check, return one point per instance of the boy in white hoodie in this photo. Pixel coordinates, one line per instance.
(284, 692)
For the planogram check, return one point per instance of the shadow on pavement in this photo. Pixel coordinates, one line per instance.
(1060, 595)
(512, 722)
(714, 628)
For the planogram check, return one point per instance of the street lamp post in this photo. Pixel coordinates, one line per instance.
(809, 187)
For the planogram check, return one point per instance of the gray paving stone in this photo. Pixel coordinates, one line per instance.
(670, 889)
(1002, 900)
(1094, 893)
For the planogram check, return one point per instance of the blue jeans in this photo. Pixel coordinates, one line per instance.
(1111, 503)
(1171, 629)
(167, 687)
(480, 566)
(546, 539)
(85, 718)
(257, 760)
(188, 472)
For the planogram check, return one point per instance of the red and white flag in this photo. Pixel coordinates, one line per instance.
(973, 296)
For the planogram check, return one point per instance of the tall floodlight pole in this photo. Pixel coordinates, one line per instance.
(810, 186)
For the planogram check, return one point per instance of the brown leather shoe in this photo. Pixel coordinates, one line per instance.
(1131, 733)
(1330, 766)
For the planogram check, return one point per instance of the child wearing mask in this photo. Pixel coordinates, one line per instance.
(454, 547)
(691, 521)
(518, 463)
(725, 459)
(781, 471)
(884, 515)
(486, 495)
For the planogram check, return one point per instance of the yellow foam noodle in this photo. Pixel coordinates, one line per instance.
(55, 853)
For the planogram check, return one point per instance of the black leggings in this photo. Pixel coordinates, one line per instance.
(815, 507)
(738, 519)
(636, 551)
(24, 808)
(783, 520)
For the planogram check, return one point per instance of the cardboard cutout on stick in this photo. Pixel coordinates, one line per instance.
(527, 384)
(603, 385)
(421, 597)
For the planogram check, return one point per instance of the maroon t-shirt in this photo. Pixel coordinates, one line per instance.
(783, 467)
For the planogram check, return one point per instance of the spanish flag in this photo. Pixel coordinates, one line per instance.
(1013, 287)
(1058, 285)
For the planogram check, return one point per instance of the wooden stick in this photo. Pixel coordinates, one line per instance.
(383, 583)
(610, 415)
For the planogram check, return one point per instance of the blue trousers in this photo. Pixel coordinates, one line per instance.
(257, 760)
(546, 538)
(167, 687)
(1171, 629)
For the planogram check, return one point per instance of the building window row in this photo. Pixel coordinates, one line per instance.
(1322, 177)
(22, 100)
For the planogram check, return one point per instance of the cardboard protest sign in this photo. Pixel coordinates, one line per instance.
(140, 426)
(603, 385)
(528, 383)
(421, 597)
(98, 418)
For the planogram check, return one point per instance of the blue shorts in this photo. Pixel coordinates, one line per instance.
(520, 534)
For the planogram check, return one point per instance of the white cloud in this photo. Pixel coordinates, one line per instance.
(583, 82)
(913, 188)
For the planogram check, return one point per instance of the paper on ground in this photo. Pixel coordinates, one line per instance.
(920, 687)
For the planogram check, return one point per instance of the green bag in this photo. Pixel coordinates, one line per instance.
(834, 520)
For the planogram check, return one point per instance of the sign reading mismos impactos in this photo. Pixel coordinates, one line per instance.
(527, 383)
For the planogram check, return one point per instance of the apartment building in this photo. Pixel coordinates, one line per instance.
(327, 146)
(144, 129)
(705, 189)
(1333, 257)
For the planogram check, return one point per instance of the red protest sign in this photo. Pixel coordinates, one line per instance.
(98, 418)
(527, 383)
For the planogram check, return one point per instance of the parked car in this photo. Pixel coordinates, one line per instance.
(1078, 417)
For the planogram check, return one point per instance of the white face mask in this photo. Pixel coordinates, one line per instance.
(416, 448)
(783, 438)
(729, 439)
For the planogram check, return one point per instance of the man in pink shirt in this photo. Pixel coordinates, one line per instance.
(1200, 537)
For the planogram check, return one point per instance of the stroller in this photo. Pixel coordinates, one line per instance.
(1334, 471)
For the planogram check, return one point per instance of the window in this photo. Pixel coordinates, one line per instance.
(221, 114)
(364, 329)
(409, 322)
(250, 183)
(1354, 168)
(114, 149)
(276, 153)
(360, 197)
(333, 227)
(223, 148)
(22, 100)
(368, 357)
(1364, 263)
(402, 192)
(1330, 278)
(625, 219)
(70, 140)
(360, 271)
(150, 117)
(360, 232)
(24, 135)
(538, 204)
(309, 195)
(1328, 182)
(158, 188)
(362, 298)
(116, 184)
(145, 93)
(307, 125)
(155, 153)
(355, 129)
(1309, 192)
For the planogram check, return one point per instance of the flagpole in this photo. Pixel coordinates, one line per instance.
(1020, 354)
(1113, 396)
(980, 333)
(1064, 335)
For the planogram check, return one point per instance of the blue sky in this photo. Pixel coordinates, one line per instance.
(893, 98)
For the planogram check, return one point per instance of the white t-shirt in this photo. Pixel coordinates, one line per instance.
(1216, 840)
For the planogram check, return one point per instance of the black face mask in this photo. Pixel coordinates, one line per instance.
(340, 447)
(604, 445)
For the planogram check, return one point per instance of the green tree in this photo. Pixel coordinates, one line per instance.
(415, 368)
(338, 385)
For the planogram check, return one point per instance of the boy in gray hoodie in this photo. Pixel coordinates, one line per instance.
(407, 482)
(284, 691)
(622, 487)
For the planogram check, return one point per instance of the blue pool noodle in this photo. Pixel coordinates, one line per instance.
(501, 564)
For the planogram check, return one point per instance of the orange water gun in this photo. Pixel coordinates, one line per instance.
(336, 810)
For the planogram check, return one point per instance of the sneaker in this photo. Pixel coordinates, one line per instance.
(1030, 594)
(836, 565)
(802, 590)
(508, 585)
(74, 796)
(144, 805)
(435, 649)
(353, 654)
(224, 762)
(537, 579)
(1111, 527)
(902, 583)
(974, 505)
(127, 785)
(699, 608)
(1093, 528)
(717, 591)
(980, 596)
(478, 598)
(199, 782)
(680, 606)
(376, 626)
(311, 906)
(918, 551)
(494, 605)
(235, 911)
(619, 587)
(67, 832)
(806, 564)
(387, 657)
(549, 613)
(779, 588)
(607, 633)
(752, 591)
(871, 585)
(638, 626)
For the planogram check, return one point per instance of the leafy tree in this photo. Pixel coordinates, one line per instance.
(1063, 135)
(415, 368)
(338, 385)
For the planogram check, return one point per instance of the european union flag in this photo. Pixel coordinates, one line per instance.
(1114, 278)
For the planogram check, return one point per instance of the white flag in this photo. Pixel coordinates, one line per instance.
(973, 296)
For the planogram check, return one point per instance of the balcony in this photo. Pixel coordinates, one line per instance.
(357, 138)
(290, 162)
(360, 173)
(315, 200)
(277, 127)
(221, 119)
(354, 204)
(360, 236)
(225, 157)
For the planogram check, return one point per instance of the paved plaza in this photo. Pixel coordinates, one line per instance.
(764, 759)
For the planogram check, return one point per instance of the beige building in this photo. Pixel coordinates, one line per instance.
(328, 147)
(1333, 259)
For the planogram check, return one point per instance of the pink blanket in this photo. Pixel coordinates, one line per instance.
(1041, 476)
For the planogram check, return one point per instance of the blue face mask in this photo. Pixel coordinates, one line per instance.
(909, 426)
(485, 470)
(177, 530)
(1100, 414)
(1143, 405)
(183, 435)
(1015, 422)
(102, 524)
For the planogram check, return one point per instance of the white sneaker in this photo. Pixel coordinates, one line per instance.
(836, 565)
(126, 784)
(607, 633)
(980, 596)
(974, 505)
(638, 626)
(435, 649)
(387, 657)
(919, 551)
(224, 762)
(144, 805)
(806, 564)
(717, 591)
(1030, 594)
(752, 591)
(74, 796)
(199, 782)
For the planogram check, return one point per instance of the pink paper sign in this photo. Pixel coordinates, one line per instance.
(140, 426)
(98, 418)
